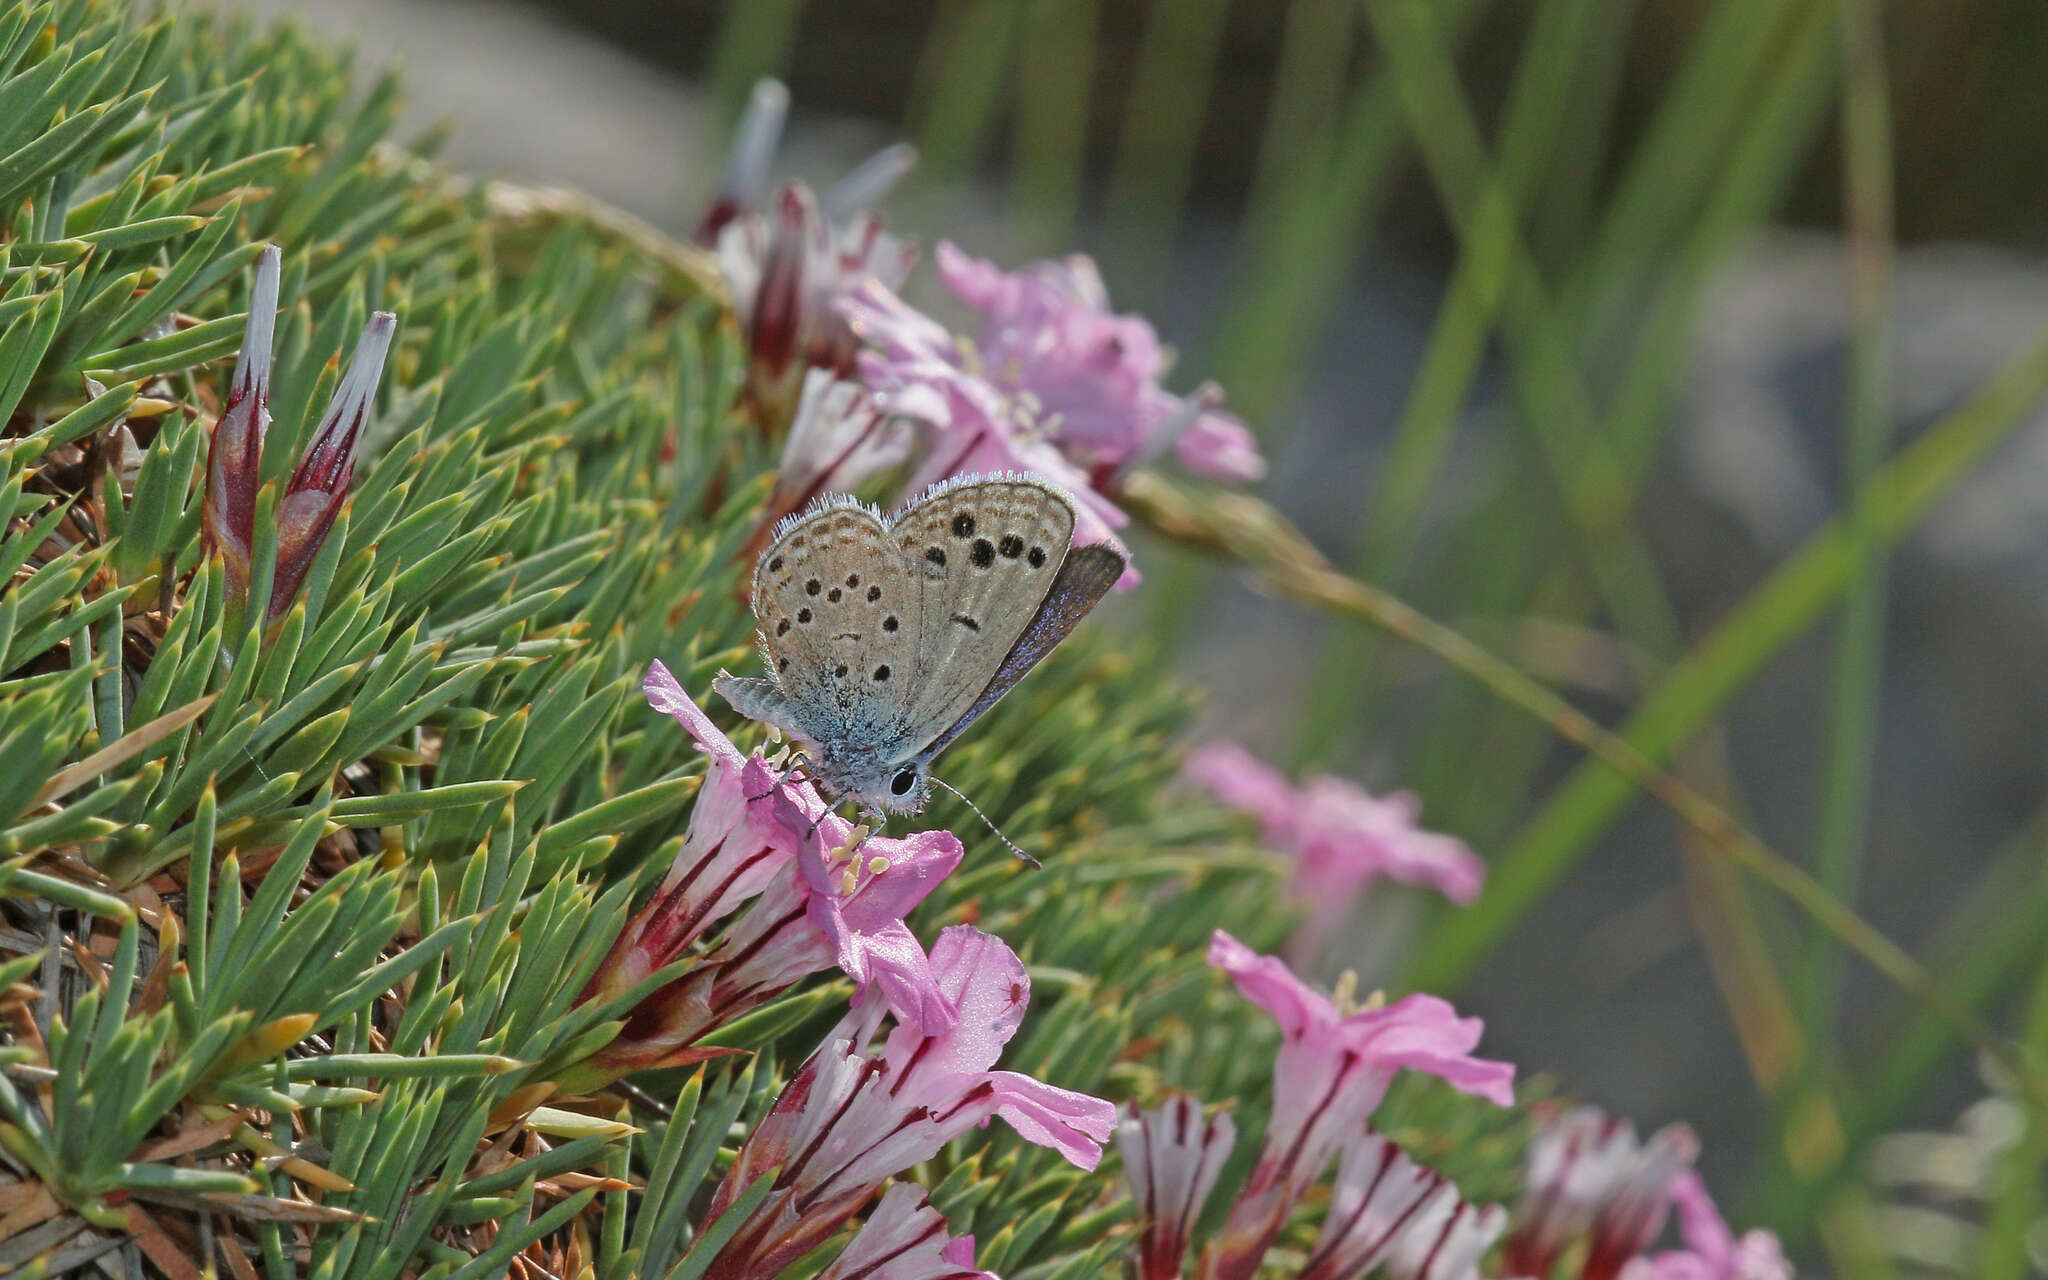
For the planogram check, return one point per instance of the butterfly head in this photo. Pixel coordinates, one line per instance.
(892, 788)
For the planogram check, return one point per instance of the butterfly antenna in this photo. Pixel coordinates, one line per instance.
(1024, 857)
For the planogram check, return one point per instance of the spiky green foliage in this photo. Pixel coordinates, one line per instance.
(295, 924)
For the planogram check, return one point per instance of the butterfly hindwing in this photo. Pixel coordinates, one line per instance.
(839, 619)
(983, 553)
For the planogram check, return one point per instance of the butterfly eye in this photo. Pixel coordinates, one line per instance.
(901, 784)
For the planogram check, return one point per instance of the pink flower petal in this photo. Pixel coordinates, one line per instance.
(1073, 1124)
(1241, 780)
(1267, 982)
(1047, 330)
(1424, 1033)
(665, 694)
(905, 1238)
(986, 984)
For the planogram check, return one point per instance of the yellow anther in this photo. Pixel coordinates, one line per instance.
(1345, 994)
(850, 881)
(877, 864)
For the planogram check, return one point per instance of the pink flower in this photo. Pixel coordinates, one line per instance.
(786, 275)
(726, 859)
(1587, 1175)
(754, 143)
(852, 1116)
(318, 487)
(1712, 1251)
(1331, 1072)
(756, 837)
(1058, 386)
(1390, 1214)
(234, 460)
(852, 901)
(905, 1239)
(1343, 839)
(1172, 1158)
(909, 347)
(1242, 781)
(1634, 1212)
(839, 438)
(1047, 331)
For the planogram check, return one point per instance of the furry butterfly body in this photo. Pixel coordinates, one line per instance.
(885, 637)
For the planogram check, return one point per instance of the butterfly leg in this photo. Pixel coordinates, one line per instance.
(793, 769)
(792, 772)
(812, 830)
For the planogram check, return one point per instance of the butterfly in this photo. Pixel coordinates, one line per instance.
(885, 637)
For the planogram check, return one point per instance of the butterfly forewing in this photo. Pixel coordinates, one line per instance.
(1085, 576)
(981, 556)
(839, 619)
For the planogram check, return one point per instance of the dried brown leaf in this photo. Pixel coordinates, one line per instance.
(158, 1247)
(128, 745)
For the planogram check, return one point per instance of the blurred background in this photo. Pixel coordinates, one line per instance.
(1585, 326)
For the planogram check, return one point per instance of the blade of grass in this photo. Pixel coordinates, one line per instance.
(124, 748)
(1679, 157)
(1297, 142)
(1171, 88)
(2016, 1207)
(1564, 208)
(961, 73)
(1738, 951)
(1056, 71)
(1859, 641)
(753, 41)
(1856, 687)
